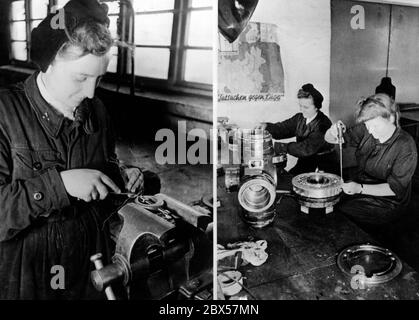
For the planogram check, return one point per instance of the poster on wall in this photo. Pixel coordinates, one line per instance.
(250, 68)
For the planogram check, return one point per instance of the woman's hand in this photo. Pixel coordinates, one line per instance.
(87, 184)
(333, 133)
(352, 188)
(261, 126)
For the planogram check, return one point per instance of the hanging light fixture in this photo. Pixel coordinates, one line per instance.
(386, 85)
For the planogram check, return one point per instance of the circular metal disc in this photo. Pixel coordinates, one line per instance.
(375, 264)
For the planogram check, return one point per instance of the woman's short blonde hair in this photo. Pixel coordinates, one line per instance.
(377, 105)
(89, 37)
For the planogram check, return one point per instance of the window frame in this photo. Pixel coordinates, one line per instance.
(178, 47)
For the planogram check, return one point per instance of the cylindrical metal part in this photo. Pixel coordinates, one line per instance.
(107, 275)
(317, 189)
(317, 185)
(97, 260)
(257, 197)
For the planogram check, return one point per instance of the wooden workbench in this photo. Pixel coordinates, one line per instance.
(302, 254)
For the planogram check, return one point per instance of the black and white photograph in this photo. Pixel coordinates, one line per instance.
(317, 121)
(105, 125)
(200, 157)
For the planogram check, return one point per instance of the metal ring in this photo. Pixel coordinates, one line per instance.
(231, 282)
(152, 202)
(392, 269)
(317, 185)
(265, 182)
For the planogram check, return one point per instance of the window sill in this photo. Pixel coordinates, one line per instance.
(186, 104)
(13, 68)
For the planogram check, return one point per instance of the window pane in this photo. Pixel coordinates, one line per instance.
(152, 62)
(39, 9)
(18, 10)
(114, 59)
(113, 7)
(152, 5)
(154, 29)
(200, 28)
(19, 51)
(113, 26)
(18, 30)
(201, 3)
(35, 23)
(198, 66)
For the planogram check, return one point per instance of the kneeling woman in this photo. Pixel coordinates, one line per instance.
(386, 160)
(309, 127)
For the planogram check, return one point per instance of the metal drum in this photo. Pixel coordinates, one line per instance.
(317, 190)
(253, 149)
(257, 197)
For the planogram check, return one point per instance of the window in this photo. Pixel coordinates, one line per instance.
(24, 16)
(173, 40)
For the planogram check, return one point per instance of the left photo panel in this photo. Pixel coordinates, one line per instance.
(106, 176)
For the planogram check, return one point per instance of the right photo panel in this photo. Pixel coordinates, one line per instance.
(317, 126)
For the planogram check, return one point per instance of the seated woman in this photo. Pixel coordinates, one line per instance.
(378, 191)
(309, 127)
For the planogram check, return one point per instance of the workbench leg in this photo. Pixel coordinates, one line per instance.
(329, 209)
(304, 209)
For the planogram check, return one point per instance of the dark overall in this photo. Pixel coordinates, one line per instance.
(41, 226)
(392, 162)
(312, 151)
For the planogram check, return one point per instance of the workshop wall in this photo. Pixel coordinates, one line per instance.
(361, 57)
(304, 39)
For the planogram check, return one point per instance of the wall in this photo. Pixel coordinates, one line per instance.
(359, 57)
(304, 38)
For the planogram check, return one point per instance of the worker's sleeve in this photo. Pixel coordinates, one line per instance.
(310, 145)
(22, 201)
(283, 130)
(354, 135)
(402, 171)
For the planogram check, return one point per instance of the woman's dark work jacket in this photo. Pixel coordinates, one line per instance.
(312, 151)
(42, 228)
(392, 162)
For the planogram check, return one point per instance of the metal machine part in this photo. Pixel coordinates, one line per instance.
(253, 149)
(370, 264)
(257, 199)
(158, 240)
(317, 190)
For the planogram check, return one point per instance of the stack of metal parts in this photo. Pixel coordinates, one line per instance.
(253, 151)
